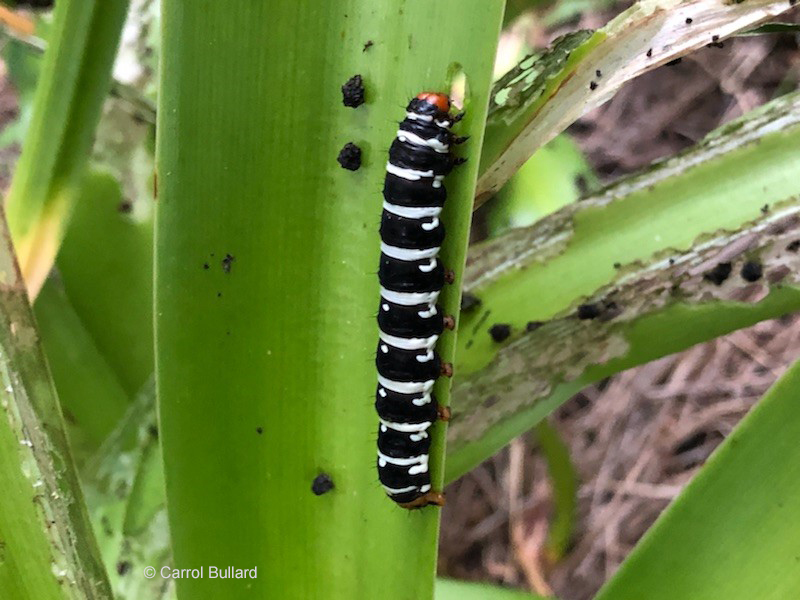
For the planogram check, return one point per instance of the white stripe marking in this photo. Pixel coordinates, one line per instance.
(406, 387)
(413, 138)
(384, 348)
(393, 491)
(385, 307)
(412, 212)
(407, 427)
(409, 298)
(408, 254)
(409, 343)
(408, 174)
(417, 464)
(418, 117)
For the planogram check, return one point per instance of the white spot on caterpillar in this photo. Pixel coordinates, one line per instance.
(384, 348)
(428, 313)
(418, 437)
(426, 399)
(429, 267)
(428, 357)
(385, 307)
(425, 488)
(381, 392)
(383, 428)
(432, 225)
(437, 181)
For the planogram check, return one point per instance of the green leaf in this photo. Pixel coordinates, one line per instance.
(46, 545)
(74, 82)
(91, 397)
(546, 93)
(265, 358)
(732, 533)
(638, 258)
(107, 271)
(554, 176)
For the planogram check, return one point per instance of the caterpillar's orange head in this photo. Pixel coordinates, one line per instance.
(440, 101)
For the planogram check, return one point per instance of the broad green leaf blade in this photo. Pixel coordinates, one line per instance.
(47, 550)
(544, 95)
(91, 397)
(106, 265)
(635, 257)
(74, 81)
(732, 533)
(451, 589)
(265, 357)
(554, 176)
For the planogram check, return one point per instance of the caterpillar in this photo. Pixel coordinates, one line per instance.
(411, 278)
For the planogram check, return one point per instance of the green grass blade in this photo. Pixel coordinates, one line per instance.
(91, 397)
(539, 99)
(48, 550)
(265, 370)
(564, 486)
(74, 82)
(732, 533)
(724, 201)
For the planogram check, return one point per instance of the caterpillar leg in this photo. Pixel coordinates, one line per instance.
(449, 322)
(460, 139)
(459, 116)
(447, 369)
(428, 498)
(443, 412)
(449, 276)
(459, 160)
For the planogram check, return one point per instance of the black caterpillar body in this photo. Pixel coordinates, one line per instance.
(411, 278)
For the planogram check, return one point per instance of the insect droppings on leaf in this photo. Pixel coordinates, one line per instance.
(590, 310)
(752, 271)
(533, 325)
(322, 484)
(353, 92)
(719, 274)
(227, 262)
(350, 157)
(469, 302)
(500, 332)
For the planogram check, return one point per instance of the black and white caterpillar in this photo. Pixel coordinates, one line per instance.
(411, 278)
